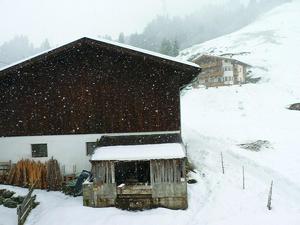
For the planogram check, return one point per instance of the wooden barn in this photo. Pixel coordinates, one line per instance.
(60, 102)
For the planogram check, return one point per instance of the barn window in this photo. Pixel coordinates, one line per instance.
(39, 150)
(90, 147)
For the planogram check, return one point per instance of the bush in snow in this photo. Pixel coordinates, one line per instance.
(295, 106)
(9, 203)
(256, 146)
(7, 194)
(192, 181)
(1, 200)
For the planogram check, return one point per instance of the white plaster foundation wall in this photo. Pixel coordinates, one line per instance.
(69, 150)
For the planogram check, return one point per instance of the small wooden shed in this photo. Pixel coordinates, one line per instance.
(138, 177)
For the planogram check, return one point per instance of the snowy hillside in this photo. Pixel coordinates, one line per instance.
(217, 120)
(270, 44)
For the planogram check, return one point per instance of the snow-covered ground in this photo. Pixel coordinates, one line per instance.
(216, 120)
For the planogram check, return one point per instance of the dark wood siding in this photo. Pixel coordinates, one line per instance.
(89, 88)
(107, 140)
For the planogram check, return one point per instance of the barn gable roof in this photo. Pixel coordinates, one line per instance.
(106, 44)
(77, 89)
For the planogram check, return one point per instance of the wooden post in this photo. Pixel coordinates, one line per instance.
(186, 147)
(19, 213)
(63, 168)
(243, 178)
(74, 169)
(222, 163)
(24, 209)
(270, 197)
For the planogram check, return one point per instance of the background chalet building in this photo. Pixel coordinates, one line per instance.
(220, 71)
(60, 102)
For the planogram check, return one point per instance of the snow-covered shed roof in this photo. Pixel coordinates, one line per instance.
(139, 152)
(99, 40)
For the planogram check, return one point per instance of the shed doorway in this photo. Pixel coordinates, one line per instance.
(132, 172)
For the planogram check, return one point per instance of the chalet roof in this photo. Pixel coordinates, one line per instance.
(104, 43)
(139, 152)
(140, 139)
(220, 57)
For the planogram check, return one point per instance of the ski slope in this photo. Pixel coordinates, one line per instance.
(216, 120)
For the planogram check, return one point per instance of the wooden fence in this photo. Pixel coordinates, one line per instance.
(24, 209)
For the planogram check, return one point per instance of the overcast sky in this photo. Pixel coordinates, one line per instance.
(65, 20)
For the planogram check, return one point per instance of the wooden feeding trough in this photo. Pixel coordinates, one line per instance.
(138, 177)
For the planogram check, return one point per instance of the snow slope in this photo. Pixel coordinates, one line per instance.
(218, 119)
(215, 120)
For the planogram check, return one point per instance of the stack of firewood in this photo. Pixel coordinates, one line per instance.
(28, 172)
(42, 175)
(54, 177)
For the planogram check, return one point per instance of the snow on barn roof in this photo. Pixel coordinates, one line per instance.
(149, 52)
(139, 152)
(146, 52)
